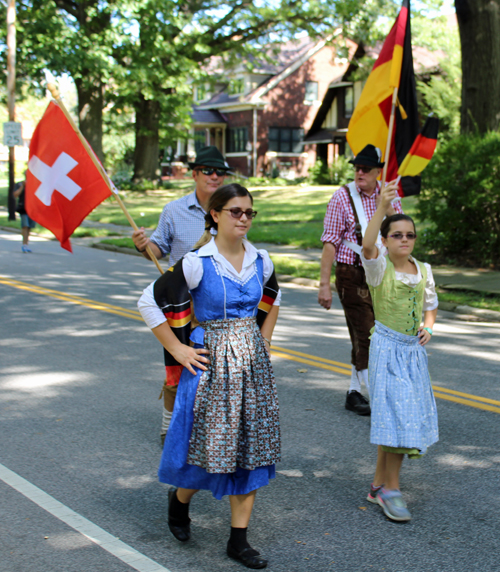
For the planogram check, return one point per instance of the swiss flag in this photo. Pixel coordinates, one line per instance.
(62, 184)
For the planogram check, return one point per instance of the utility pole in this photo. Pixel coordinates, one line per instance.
(11, 97)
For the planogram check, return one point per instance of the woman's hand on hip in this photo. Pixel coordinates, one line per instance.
(191, 357)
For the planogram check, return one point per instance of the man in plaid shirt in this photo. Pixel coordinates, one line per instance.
(182, 222)
(340, 241)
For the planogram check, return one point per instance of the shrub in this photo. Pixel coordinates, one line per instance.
(339, 173)
(461, 198)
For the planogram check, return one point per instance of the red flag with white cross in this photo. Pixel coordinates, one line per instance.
(63, 185)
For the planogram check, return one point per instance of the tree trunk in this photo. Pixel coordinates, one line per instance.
(479, 26)
(90, 105)
(147, 149)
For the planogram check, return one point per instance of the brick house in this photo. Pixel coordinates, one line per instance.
(329, 128)
(259, 115)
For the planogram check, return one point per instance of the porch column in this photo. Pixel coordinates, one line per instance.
(255, 141)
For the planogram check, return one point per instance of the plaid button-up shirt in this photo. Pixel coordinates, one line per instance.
(181, 224)
(340, 224)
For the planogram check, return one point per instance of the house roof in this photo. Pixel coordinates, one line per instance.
(207, 116)
(291, 56)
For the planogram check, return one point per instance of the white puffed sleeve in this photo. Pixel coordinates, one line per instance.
(192, 266)
(268, 268)
(149, 309)
(430, 297)
(374, 268)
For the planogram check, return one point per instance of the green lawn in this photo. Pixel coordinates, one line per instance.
(80, 232)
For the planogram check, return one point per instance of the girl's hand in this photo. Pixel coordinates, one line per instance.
(424, 336)
(389, 193)
(190, 357)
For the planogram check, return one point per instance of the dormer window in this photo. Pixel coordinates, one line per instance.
(201, 93)
(236, 86)
(348, 101)
(311, 94)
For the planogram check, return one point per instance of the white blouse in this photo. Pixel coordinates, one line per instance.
(375, 270)
(192, 267)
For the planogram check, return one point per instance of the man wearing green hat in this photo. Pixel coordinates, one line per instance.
(347, 215)
(181, 225)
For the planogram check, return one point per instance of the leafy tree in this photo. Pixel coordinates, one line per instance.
(441, 88)
(175, 40)
(70, 37)
(461, 197)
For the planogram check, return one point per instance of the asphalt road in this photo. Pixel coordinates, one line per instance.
(80, 376)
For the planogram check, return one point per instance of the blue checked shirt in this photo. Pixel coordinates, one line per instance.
(181, 224)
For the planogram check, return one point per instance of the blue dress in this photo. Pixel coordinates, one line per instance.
(211, 441)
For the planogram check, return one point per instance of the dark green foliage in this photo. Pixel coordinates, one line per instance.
(461, 198)
(339, 173)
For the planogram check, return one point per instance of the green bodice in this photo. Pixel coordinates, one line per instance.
(397, 305)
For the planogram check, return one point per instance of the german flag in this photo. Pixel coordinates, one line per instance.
(370, 120)
(422, 149)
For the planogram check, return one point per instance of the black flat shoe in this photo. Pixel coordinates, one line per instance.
(248, 557)
(181, 531)
(358, 403)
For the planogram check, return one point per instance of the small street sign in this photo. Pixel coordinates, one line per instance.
(12, 134)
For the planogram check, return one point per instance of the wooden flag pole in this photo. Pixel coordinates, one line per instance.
(389, 137)
(55, 94)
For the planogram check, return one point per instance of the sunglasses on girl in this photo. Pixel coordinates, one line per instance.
(399, 235)
(236, 212)
(209, 171)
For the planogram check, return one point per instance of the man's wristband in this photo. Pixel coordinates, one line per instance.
(141, 251)
(429, 330)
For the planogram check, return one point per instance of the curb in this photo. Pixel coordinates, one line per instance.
(464, 313)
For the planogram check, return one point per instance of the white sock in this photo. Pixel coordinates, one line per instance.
(165, 422)
(355, 385)
(363, 374)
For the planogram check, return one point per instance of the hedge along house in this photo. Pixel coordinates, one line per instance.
(329, 127)
(259, 116)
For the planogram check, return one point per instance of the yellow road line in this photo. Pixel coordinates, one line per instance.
(102, 306)
(300, 357)
(309, 362)
(295, 353)
(468, 395)
(467, 402)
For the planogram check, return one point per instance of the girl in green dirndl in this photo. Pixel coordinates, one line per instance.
(404, 416)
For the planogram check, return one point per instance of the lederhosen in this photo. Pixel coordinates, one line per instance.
(354, 295)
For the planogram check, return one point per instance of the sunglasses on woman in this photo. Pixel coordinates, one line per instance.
(399, 235)
(236, 212)
(209, 171)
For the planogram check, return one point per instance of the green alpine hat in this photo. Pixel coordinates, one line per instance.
(209, 157)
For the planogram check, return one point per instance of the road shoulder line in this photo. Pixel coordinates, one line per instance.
(94, 533)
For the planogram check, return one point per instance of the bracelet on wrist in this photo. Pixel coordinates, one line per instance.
(141, 251)
(268, 341)
(428, 330)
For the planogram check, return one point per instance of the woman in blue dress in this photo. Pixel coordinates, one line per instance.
(225, 434)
